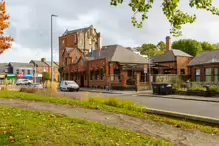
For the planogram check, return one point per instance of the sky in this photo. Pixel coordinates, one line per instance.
(31, 25)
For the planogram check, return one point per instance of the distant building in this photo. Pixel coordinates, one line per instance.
(205, 67)
(94, 65)
(172, 62)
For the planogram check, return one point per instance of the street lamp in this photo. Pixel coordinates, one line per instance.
(52, 49)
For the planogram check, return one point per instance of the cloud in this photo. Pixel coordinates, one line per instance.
(31, 25)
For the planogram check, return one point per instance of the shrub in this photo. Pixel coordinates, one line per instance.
(29, 90)
(197, 87)
(214, 88)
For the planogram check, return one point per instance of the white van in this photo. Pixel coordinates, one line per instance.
(69, 86)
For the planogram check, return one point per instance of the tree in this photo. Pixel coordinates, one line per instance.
(207, 46)
(189, 46)
(161, 46)
(46, 76)
(5, 41)
(170, 9)
(151, 50)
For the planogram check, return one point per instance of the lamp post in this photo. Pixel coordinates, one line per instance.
(52, 49)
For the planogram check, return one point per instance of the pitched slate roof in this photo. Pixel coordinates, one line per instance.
(76, 30)
(117, 53)
(39, 63)
(18, 64)
(170, 56)
(206, 57)
(49, 64)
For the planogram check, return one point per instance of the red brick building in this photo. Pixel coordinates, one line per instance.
(172, 62)
(82, 60)
(205, 67)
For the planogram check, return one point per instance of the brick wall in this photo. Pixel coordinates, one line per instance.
(182, 63)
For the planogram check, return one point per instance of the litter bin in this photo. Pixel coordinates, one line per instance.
(156, 88)
(166, 89)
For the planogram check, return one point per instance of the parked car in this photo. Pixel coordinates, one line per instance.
(69, 86)
(24, 82)
(36, 86)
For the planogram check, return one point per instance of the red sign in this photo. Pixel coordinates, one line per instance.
(20, 75)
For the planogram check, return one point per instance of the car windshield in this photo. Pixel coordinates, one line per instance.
(70, 82)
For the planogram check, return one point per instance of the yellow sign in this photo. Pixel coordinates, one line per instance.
(2, 76)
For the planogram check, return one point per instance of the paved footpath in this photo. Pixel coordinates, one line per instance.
(178, 136)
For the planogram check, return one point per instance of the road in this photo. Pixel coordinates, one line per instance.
(207, 109)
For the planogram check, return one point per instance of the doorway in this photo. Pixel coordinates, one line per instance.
(82, 80)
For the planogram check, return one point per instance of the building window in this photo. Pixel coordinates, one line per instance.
(72, 60)
(130, 73)
(92, 75)
(117, 73)
(17, 71)
(23, 71)
(28, 71)
(40, 69)
(142, 78)
(208, 75)
(66, 61)
(182, 71)
(216, 74)
(197, 75)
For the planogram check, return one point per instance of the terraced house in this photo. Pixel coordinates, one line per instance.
(83, 59)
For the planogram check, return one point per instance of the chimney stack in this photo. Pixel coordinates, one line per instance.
(99, 41)
(43, 59)
(168, 43)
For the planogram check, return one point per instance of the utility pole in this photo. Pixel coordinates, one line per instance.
(52, 49)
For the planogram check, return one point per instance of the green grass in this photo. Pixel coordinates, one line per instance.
(25, 127)
(113, 105)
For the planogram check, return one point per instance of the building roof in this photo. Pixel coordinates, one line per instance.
(39, 63)
(117, 53)
(54, 64)
(85, 29)
(18, 64)
(170, 56)
(206, 57)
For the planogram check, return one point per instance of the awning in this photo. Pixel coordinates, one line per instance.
(2, 76)
(10, 75)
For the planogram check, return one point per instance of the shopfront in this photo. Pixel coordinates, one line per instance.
(2, 78)
(11, 78)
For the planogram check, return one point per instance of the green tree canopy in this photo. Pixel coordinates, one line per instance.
(207, 46)
(171, 10)
(46, 76)
(161, 46)
(151, 49)
(189, 46)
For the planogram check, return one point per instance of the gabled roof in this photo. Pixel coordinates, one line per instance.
(85, 29)
(39, 63)
(170, 56)
(49, 64)
(117, 53)
(206, 57)
(18, 64)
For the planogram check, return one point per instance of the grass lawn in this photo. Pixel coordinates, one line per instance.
(112, 105)
(25, 127)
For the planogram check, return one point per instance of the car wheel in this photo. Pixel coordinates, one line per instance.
(77, 90)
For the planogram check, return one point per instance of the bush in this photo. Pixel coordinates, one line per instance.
(197, 87)
(214, 88)
(29, 90)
